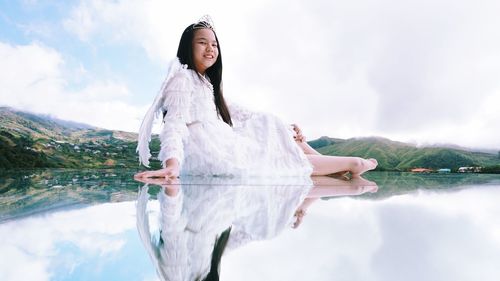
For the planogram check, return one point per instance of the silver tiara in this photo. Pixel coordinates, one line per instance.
(204, 22)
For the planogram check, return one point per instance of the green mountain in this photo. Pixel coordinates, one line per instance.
(392, 155)
(32, 141)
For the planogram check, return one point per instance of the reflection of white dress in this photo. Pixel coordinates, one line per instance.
(191, 221)
(194, 134)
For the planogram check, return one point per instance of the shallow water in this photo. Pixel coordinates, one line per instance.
(85, 225)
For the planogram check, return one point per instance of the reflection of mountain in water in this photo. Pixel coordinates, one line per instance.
(391, 183)
(25, 192)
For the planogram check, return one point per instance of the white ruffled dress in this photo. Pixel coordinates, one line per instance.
(194, 134)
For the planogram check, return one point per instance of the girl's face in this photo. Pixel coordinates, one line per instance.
(205, 49)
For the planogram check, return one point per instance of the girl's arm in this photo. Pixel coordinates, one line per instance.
(301, 141)
(171, 170)
(177, 105)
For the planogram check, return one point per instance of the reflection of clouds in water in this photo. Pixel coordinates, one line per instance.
(436, 238)
(422, 236)
(33, 268)
(38, 243)
(337, 247)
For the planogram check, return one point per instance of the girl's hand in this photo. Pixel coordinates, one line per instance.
(298, 133)
(170, 171)
(164, 182)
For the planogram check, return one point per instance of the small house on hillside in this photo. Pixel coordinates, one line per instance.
(421, 170)
(469, 169)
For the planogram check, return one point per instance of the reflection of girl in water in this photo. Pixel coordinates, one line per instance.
(202, 134)
(330, 187)
(199, 221)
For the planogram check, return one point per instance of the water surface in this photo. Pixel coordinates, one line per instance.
(84, 225)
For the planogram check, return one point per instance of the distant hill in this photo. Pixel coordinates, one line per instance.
(392, 155)
(31, 141)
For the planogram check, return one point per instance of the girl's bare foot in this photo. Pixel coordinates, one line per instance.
(363, 166)
(299, 214)
(364, 185)
(341, 175)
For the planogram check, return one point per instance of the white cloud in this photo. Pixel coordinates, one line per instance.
(398, 69)
(32, 269)
(35, 78)
(35, 242)
(154, 25)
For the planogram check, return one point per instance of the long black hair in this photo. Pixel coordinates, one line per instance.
(214, 73)
(219, 247)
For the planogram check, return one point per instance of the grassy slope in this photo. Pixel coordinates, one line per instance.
(400, 156)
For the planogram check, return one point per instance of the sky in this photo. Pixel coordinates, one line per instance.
(419, 71)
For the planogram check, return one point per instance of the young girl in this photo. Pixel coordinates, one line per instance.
(204, 135)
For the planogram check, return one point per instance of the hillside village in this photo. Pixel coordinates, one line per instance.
(447, 170)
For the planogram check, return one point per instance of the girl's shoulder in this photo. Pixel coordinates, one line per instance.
(181, 77)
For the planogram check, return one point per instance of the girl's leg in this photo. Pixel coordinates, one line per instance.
(325, 165)
(325, 186)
